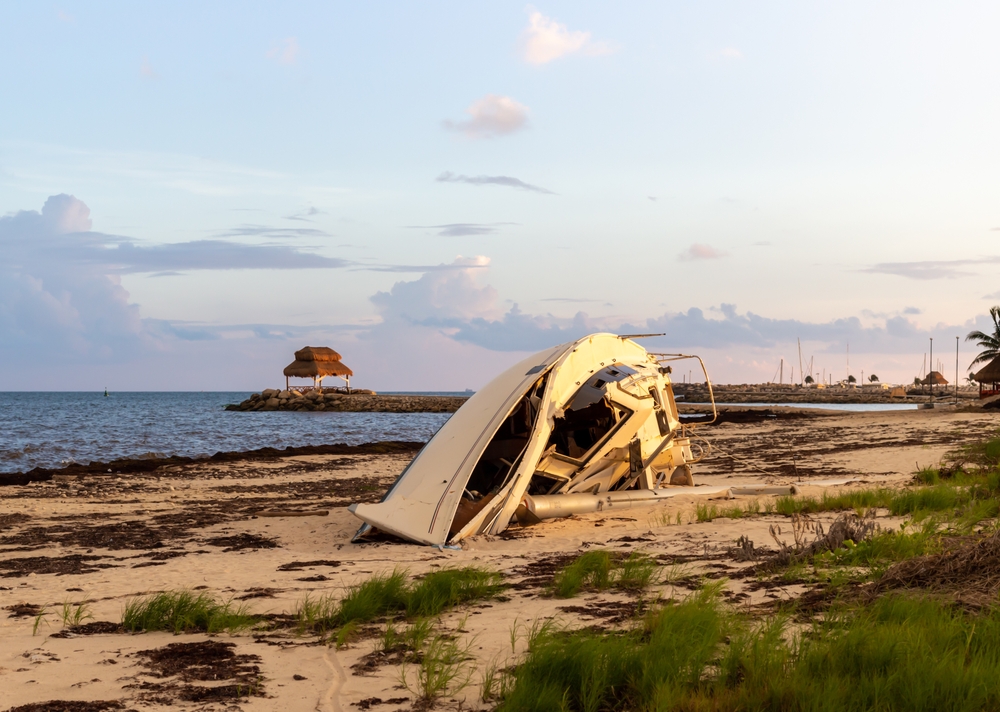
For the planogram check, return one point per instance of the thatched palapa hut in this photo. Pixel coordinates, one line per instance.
(934, 378)
(988, 379)
(317, 362)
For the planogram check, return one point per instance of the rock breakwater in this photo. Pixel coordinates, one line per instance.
(355, 402)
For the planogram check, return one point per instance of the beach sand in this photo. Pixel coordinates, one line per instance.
(103, 540)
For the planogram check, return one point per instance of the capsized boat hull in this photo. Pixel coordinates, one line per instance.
(586, 417)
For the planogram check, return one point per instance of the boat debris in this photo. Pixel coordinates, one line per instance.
(586, 426)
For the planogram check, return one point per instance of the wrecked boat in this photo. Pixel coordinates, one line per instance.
(586, 426)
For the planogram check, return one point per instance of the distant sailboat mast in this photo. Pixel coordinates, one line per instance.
(801, 377)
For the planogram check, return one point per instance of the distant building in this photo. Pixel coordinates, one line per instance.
(934, 378)
(317, 362)
(988, 379)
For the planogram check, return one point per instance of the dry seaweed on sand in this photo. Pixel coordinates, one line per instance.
(971, 571)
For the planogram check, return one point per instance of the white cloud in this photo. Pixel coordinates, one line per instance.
(545, 40)
(930, 269)
(509, 181)
(731, 53)
(285, 51)
(491, 116)
(441, 298)
(701, 252)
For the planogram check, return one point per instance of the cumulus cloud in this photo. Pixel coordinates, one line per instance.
(692, 329)
(62, 303)
(509, 181)
(50, 301)
(284, 51)
(463, 229)
(491, 116)
(441, 298)
(60, 282)
(701, 252)
(545, 40)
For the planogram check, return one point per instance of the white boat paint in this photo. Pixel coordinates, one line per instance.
(592, 416)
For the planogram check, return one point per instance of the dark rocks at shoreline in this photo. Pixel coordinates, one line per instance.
(358, 401)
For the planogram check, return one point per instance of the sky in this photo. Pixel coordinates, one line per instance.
(189, 192)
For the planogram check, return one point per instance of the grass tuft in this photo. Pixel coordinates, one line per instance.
(445, 667)
(600, 570)
(185, 611)
(390, 594)
(448, 588)
(75, 615)
(896, 653)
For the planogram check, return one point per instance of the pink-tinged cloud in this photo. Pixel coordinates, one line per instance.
(491, 116)
(146, 70)
(545, 40)
(284, 51)
(701, 252)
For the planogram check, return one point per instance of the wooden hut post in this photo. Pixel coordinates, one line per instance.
(286, 383)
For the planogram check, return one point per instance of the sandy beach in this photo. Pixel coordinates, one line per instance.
(270, 532)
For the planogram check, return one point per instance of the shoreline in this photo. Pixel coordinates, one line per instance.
(144, 465)
(691, 413)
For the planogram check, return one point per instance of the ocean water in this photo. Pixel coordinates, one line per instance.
(56, 429)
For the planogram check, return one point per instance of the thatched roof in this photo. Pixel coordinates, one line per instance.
(989, 373)
(936, 378)
(316, 353)
(312, 369)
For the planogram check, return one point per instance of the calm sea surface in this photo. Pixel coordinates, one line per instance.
(55, 429)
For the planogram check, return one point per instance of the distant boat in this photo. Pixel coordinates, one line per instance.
(105, 392)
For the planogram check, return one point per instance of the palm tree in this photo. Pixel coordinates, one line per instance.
(990, 343)
(810, 380)
(873, 378)
(852, 379)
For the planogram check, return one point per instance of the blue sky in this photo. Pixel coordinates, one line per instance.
(435, 188)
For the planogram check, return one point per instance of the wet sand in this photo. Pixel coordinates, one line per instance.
(206, 526)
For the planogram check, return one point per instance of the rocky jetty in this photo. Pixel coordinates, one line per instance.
(358, 401)
(776, 393)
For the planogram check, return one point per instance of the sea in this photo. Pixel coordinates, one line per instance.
(50, 429)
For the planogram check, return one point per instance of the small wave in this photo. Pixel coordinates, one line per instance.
(6, 454)
(149, 456)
